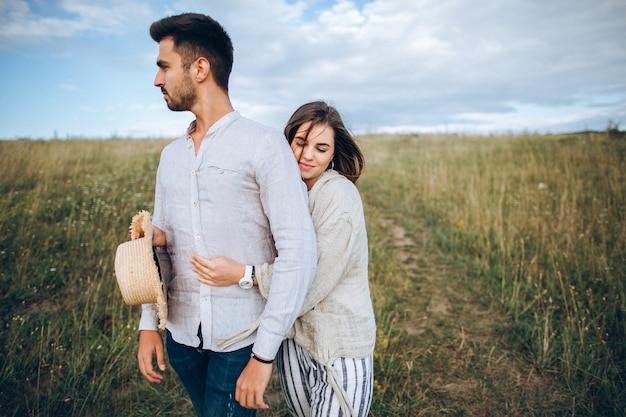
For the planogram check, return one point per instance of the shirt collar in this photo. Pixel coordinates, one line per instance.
(222, 122)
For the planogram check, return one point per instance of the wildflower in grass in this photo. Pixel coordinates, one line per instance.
(541, 186)
(376, 385)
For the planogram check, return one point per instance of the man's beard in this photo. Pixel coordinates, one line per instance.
(184, 96)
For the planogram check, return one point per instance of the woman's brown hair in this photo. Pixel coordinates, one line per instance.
(348, 159)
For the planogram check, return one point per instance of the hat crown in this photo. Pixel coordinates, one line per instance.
(141, 226)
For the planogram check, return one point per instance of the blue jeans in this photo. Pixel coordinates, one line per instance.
(210, 378)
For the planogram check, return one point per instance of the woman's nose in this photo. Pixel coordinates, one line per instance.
(307, 152)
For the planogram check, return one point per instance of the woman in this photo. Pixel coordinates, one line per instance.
(326, 363)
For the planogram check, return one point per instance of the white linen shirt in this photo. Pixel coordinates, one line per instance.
(242, 197)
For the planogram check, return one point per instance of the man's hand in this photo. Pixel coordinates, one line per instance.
(252, 383)
(218, 272)
(158, 237)
(150, 345)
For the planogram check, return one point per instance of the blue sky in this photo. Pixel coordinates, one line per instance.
(84, 68)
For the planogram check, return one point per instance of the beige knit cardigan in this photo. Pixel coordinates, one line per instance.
(337, 318)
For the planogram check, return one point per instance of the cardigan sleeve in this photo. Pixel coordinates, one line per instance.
(331, 212)
(264, 278)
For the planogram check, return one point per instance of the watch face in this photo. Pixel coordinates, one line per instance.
(245, 283)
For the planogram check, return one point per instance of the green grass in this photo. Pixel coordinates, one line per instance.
(533, 230)
(497, 269)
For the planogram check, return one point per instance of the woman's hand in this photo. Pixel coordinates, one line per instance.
(218, 272)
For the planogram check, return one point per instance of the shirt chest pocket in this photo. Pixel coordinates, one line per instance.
(226, 188)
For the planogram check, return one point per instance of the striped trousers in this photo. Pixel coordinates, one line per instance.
(311, 389)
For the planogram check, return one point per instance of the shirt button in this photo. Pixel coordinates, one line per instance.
(197, 237)
(221, 171)
(195, 204)
(193, 172)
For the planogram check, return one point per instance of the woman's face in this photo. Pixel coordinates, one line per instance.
(314, 151)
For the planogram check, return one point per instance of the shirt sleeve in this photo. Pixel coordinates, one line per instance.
(149, 318)
(158, 215)
(285, 203)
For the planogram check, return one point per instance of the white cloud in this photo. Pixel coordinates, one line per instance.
(19, 24)
(426, 60)
(423, 62)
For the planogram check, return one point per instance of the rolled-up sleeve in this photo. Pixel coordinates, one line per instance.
(285, 203)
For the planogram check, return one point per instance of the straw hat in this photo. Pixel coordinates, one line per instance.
(138, 270)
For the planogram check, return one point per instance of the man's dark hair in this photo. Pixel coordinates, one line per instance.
(196, 35)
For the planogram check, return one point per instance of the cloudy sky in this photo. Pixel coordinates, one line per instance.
(85, 68)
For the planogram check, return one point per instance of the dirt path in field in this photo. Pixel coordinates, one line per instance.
(466, 363)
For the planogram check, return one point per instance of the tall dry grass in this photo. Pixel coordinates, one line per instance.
(531, 226)
(67, 341)
(539, 223)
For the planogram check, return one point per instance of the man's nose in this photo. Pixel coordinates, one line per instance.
(158, 79)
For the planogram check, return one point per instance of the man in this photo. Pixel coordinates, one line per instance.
(229, 187)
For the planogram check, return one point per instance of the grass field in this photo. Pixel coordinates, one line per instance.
(497, 269)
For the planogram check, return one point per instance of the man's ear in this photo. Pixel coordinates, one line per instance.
(201, 69)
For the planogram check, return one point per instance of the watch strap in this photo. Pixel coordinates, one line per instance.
(246, 282)
(248, 274)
